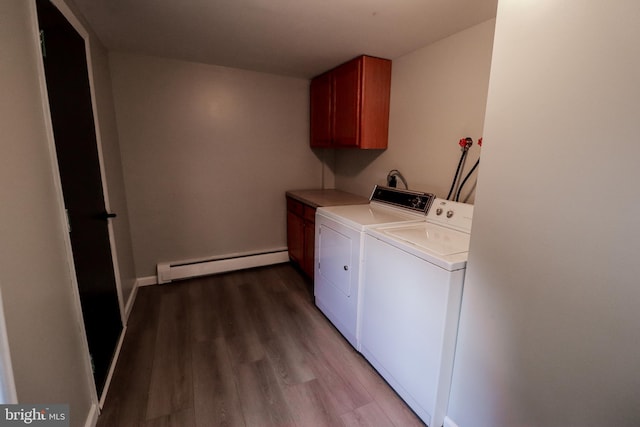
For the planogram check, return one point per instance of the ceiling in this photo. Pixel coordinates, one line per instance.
(300, 38)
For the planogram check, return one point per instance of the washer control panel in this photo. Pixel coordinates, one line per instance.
(451, 214)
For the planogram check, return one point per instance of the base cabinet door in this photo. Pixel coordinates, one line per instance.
(309, 239)
(301, 235)
(295, 237)
(309, 218)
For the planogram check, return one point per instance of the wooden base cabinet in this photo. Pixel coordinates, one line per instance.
(301, 234)
(350, 105)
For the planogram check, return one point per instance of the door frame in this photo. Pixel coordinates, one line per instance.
(62, 215)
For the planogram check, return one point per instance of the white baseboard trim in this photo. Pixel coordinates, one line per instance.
(92, 416)
(132, 298)
(112, 368)
(448, 422)
(195, 268)
(146, 281)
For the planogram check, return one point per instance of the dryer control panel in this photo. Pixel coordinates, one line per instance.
(413, 200)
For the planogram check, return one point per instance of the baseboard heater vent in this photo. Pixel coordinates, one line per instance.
(170, 271)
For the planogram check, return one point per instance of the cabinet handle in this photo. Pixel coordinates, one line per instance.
(346, 267)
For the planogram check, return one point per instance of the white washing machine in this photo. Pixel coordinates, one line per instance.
(413, 278)
(339, 246)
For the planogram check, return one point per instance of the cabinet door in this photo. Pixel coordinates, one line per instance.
(347, 96)
(321, 106)
(309, 217)
(374, 103)
(308, 262)
(295, 237)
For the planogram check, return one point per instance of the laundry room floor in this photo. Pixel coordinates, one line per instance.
(246, 348)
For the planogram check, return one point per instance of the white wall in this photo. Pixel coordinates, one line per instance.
(549, 330)
(208, 153)
(42, 312)
(438, 95)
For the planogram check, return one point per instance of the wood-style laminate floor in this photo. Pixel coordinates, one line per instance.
(246, 348)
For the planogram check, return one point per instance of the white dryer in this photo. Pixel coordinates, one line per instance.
(411, 304)
(339, 249)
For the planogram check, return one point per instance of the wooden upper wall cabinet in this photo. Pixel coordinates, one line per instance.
(321, 96)
(350, 105)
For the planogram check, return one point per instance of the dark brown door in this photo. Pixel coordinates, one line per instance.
(67, 77)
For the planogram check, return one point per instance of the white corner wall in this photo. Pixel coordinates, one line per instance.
(438, 96)
(42, 312)
(549, 325)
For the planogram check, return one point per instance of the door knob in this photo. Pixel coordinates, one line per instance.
(105, 215)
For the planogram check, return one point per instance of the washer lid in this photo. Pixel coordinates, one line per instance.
(433, 238)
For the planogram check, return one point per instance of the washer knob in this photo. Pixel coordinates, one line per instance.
(439, 211)
(449, 214)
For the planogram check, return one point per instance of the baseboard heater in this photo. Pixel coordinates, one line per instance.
(169, 271)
